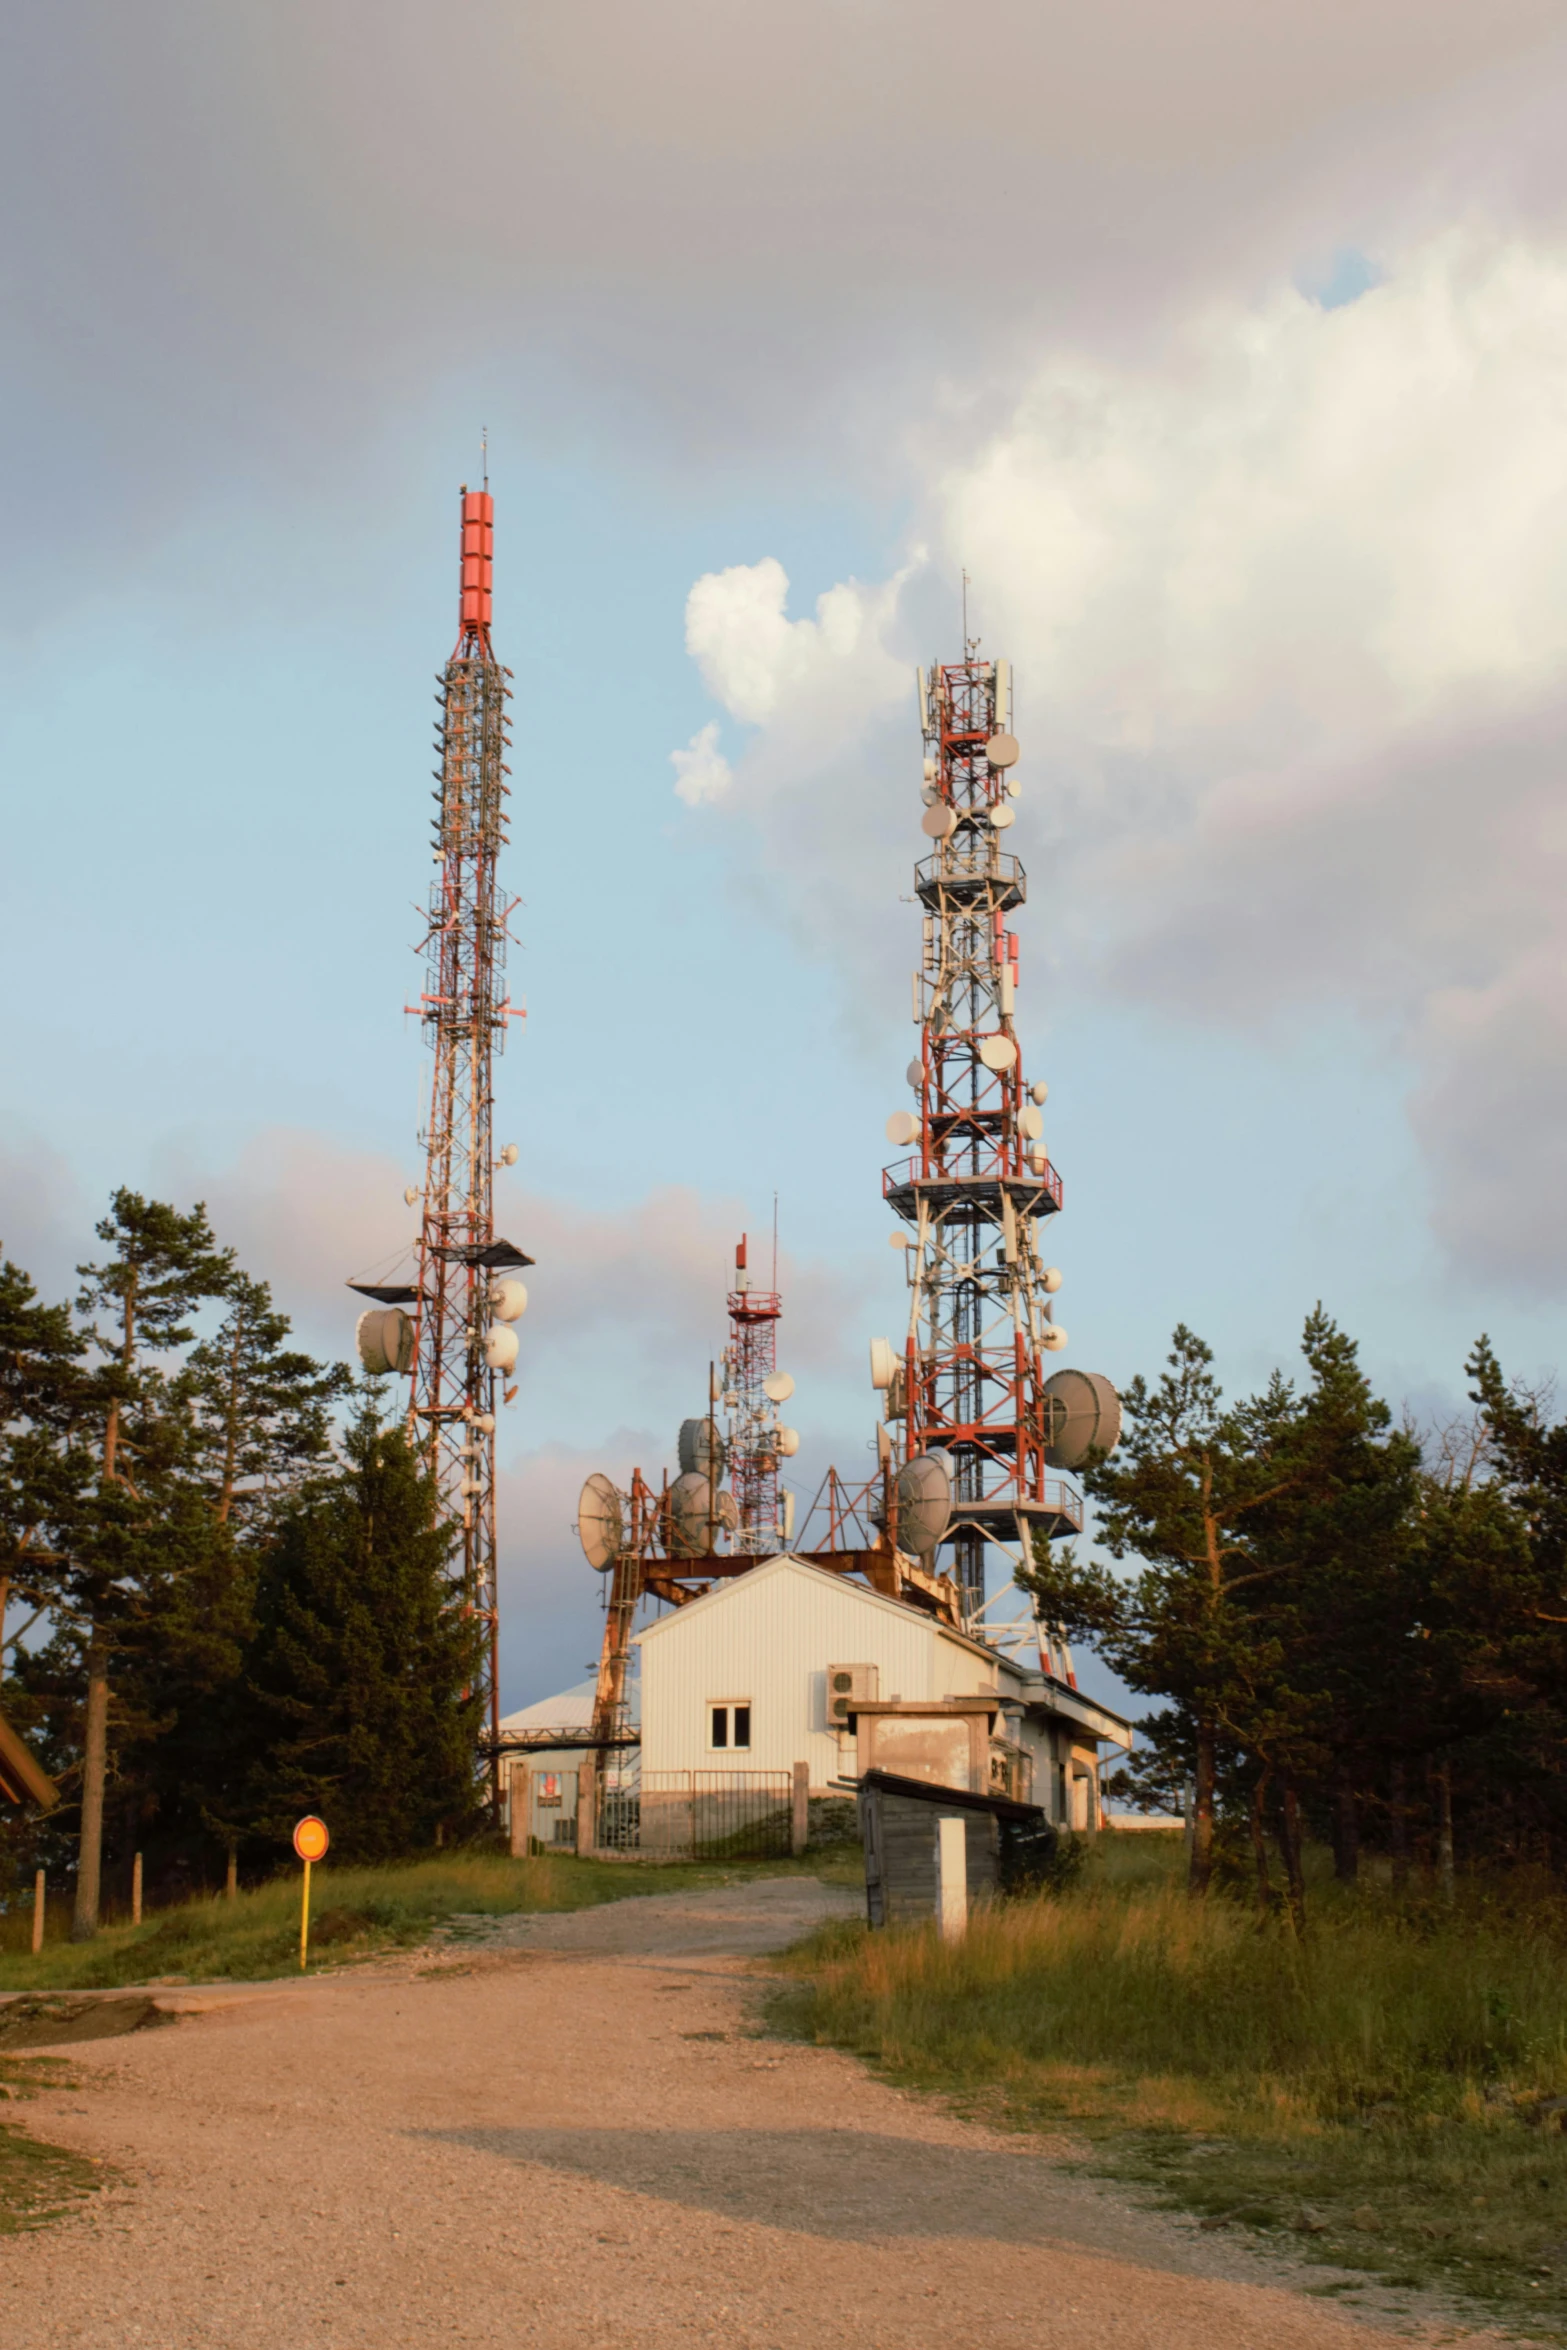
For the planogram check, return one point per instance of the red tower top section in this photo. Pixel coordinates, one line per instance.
(478, 560)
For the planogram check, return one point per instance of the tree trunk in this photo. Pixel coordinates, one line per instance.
(95, 1766)
(1259, 1842)
(1398, 1824)
(1346, 1828)
(1201, 1873)
(231, 1881)
(1289, 1848)
(1444, 1831)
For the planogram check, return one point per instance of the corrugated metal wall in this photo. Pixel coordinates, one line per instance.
(766, 1641)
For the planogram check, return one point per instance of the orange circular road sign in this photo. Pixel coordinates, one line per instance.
(311, 1838)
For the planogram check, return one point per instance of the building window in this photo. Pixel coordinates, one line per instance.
(729, 1726)
(743, 1726)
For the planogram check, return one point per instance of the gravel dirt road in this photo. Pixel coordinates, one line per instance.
(566, 2135)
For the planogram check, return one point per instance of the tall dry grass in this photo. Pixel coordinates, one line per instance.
(1380, 2005)
(1374, 2092)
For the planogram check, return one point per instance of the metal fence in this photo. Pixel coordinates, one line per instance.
(697, 1815)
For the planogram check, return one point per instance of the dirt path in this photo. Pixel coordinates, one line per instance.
(571, 2140)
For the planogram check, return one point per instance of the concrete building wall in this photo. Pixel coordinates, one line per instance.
(765, 1641)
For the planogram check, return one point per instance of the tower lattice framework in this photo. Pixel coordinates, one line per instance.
(466, 1015)
(750, 1359)
(978, 1188)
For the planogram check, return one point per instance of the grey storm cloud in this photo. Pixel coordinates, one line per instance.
(245, 242)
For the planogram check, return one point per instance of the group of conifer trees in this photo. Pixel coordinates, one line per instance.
(1357, 1629)
(223, 1612)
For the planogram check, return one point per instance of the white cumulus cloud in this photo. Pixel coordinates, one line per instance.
(1286, 597)
(701, 770)
(764, 666)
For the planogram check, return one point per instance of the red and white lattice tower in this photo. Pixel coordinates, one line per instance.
(978, 1189)
(463, 1344)
(752, 1389)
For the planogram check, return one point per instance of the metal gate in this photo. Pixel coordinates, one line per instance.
(697, 1815)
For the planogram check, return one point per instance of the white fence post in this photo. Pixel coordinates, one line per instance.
(952, 1878)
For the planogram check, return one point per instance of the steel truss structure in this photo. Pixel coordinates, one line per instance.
(466, 1017)
(979, 1189)
(751, 1441)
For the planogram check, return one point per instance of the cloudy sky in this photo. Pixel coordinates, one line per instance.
(1225, 348)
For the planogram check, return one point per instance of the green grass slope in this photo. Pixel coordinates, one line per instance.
(1380, 2092)
(354, 1912)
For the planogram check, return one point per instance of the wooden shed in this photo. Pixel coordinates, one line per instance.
(1005, 1843)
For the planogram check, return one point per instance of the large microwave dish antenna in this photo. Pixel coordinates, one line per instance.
(1087, 1415)
(601, 1521)
(924, 1501)
(700, 1448)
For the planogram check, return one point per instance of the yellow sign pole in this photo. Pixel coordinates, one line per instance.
(310, 1842)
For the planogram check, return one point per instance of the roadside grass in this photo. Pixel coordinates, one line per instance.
(354, 1913)
(1378, 2093)
(38, 2183)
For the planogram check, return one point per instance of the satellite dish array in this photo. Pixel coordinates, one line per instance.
(696, 1511)
(386, 1339)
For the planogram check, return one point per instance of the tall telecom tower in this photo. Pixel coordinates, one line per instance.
(753, 1387)
(978, 1188)
(457, 1342)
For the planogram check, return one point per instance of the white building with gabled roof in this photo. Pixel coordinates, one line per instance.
(740, 1680)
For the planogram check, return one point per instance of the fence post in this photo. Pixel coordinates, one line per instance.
(952, 1878)
(136, 1890)
(800, 1816)
(38, 1912)
(520, 1787)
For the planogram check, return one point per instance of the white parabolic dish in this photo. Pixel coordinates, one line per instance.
(998, 1052)
(385, 1339)
(778, 1387)
(924, 1501)
(600, 1521)
(1002, 750)
(1088, 1418)
(698, 1446)
(902, 1129)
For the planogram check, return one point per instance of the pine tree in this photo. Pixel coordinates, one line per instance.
(42, 1468)
(263, 1409)
(364, 1666)
(1188, 1494)
(262, 1424)
(143, 1527)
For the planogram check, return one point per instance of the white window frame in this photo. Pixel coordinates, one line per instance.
(729, 1707)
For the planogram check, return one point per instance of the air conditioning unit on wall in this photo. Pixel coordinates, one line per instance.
(848, 1687)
